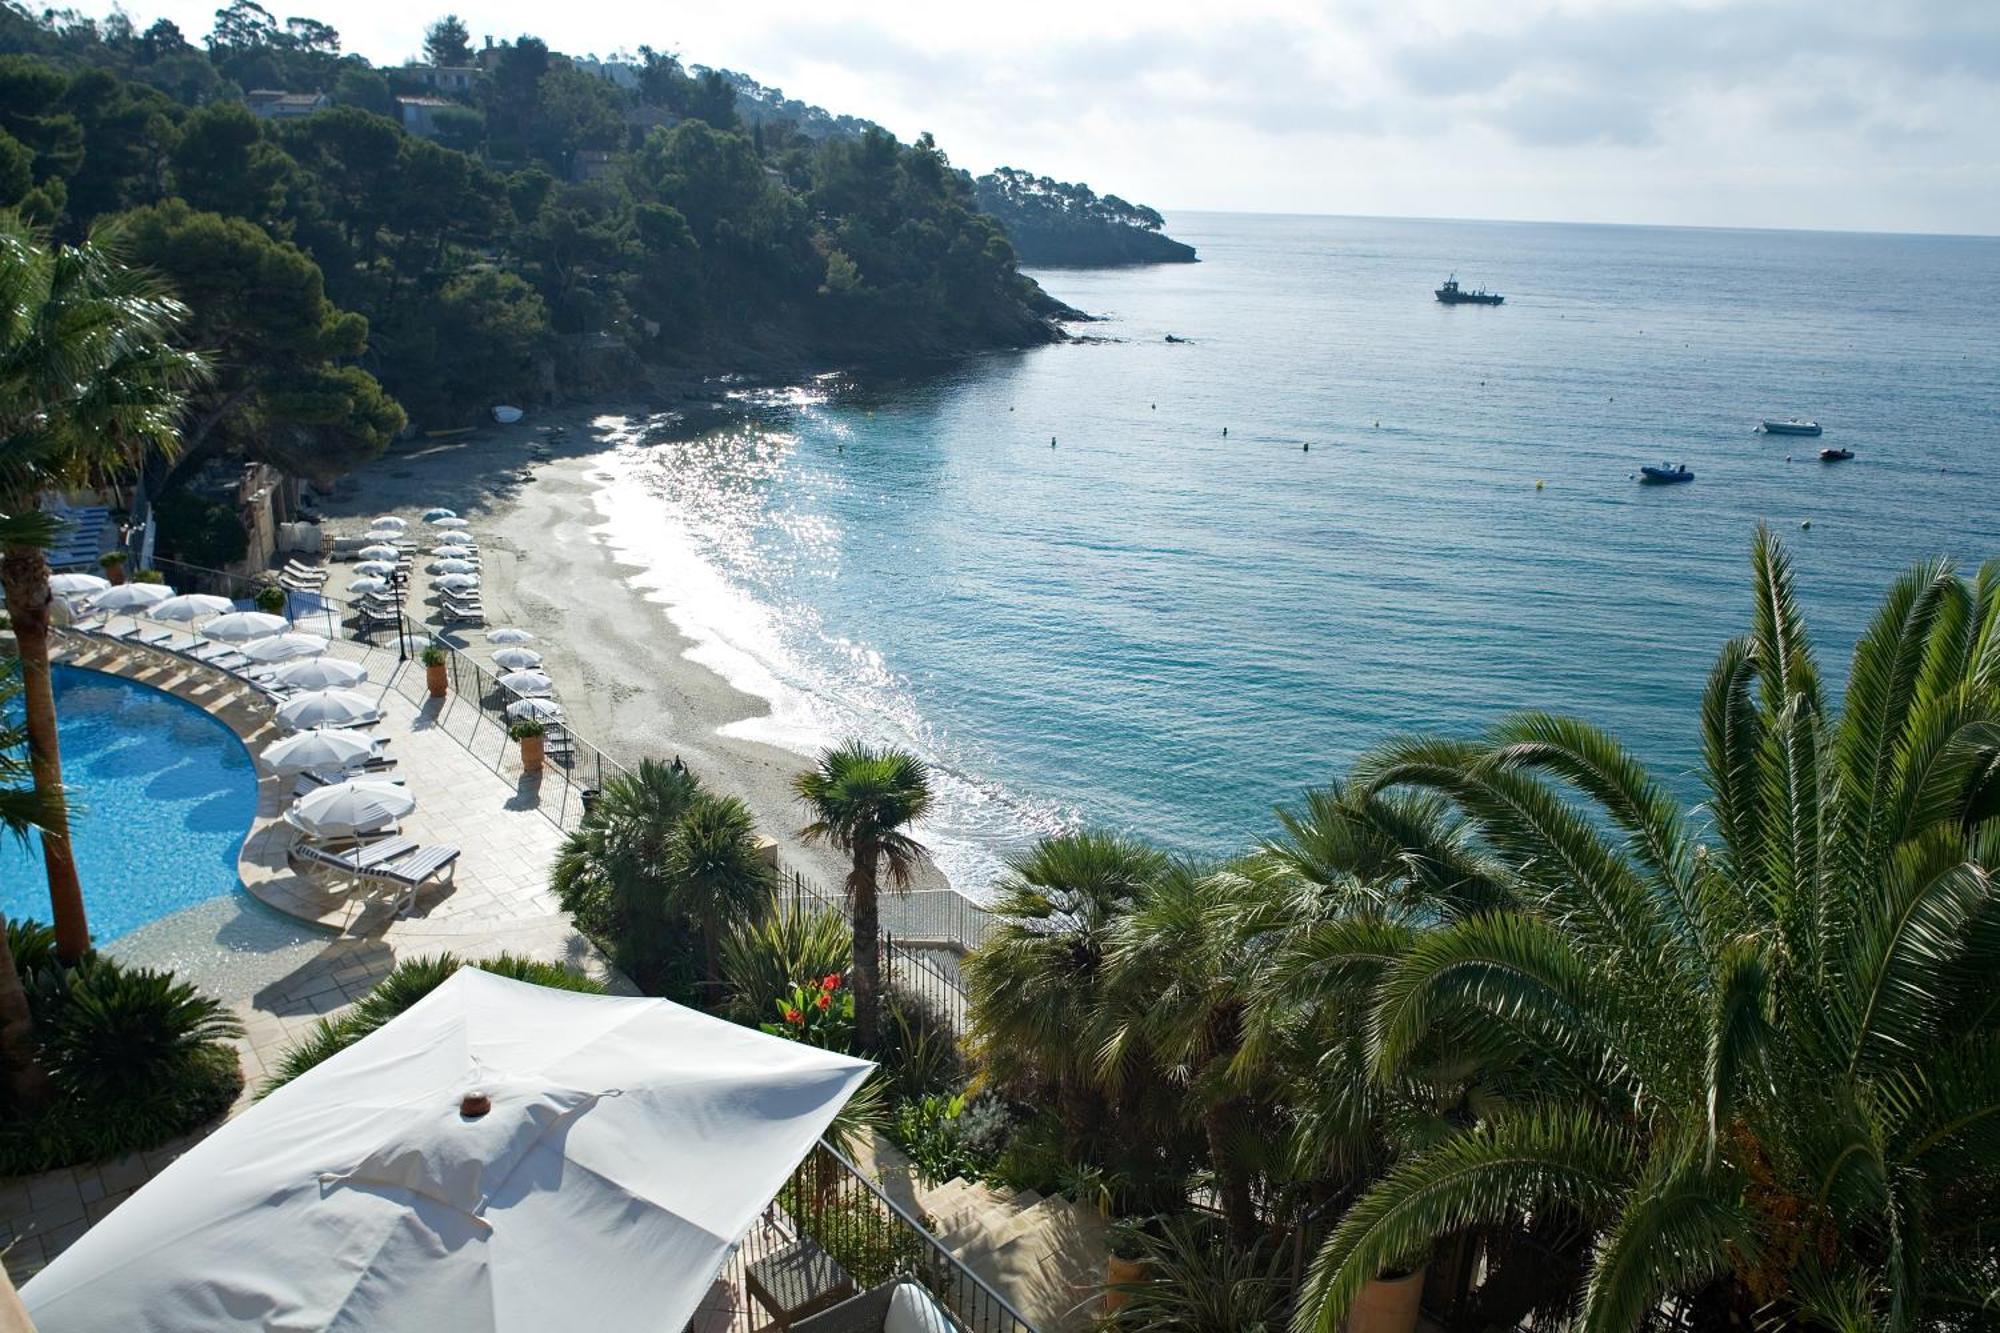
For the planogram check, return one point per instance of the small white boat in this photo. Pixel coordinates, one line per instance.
(507, 416)
(1795, 426)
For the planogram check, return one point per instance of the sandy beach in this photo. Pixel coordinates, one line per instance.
(619, 664)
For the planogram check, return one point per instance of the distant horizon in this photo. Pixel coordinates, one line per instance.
(1171, 213)
(1703, 113)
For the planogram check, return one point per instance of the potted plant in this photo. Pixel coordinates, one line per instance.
(434, 674)
(113, 565)
(149, 576)
(1124, 1263)
(529, 731)
(271, 599)
(1388, 1303)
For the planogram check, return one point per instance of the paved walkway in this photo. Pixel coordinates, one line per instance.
(498, 900)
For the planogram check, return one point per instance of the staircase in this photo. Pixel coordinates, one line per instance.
(1043, 1256)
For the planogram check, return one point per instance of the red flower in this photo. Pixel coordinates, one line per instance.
(793, 1016)
(825, 1001)
(831, 981)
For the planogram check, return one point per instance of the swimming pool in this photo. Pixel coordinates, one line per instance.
(161, 795)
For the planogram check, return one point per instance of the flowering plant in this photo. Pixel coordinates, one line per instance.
(819, 1013)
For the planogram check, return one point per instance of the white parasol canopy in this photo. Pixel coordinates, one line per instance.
(286, 647)
(517, 659)
(320, 673)
(380, 569)
(358, 805)
(379, 551)
(541, 709)
(454, 565)
(456, 582)
(630, 1143)
(77, 585)
(190, 606)
(453, 522)
(437, 512)
(391, 522)
(131, 596)
(364, 586)
(327, 708)
(526, 682)
(454, 537)
(317, 748)
(243, 626)
(509, 634)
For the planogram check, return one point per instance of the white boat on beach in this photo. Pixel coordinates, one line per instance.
(507, 416)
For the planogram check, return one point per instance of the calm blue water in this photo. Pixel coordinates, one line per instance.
(1153, 627)
(161, 795)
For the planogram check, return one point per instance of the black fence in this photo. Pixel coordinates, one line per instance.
(831, 1236)
(920, 970)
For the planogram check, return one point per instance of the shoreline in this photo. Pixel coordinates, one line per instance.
(622, 668)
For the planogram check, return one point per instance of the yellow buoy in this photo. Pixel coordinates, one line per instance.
(1540, 484)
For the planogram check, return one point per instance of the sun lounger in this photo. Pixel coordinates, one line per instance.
(396, 877)
(304, 572)
(118, 633)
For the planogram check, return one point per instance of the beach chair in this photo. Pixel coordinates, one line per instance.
(313, 779)
(408, 874)
(305, 573)
(117, 633)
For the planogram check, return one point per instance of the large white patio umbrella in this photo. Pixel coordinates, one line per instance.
(517, 659)
(131, 596)
(542, 710)
(320, 673)
(190, 606)
(77, 585)
(391, 522)
(379, 569)
(317, 748)
(358, 805)
(365, 586)
(454, 521)
(454, 537)
(379, 551)
(243, 626)
(286, 647)
(327, 708)
(509, 634)
(437, 512)
(526, 682)
(617, 1149)
(453, 565)
(456, 582)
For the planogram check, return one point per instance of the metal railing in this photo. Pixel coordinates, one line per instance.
(830, 1211)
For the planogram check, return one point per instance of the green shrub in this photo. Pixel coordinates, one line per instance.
(1196, 1282)
(409, 982)
(763, 960)
(270, 599)
(949, 1136)
(135, 1056)
(200, 531)
(434, 656)
(526, 727)
(918, 1049)
(149, 576)
(851, 1224)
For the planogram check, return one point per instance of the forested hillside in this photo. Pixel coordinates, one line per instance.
(548, 232)
(1054, 222)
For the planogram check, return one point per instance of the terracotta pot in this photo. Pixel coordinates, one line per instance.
(1120, 1272)
(435, 677)
(1387, 1305)
(115, 571)
(531, 754)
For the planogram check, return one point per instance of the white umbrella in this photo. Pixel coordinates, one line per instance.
(453, 522)
(543, 710)
(453, 565)
(243, 626)
(285, 647)
(509, 634)
(379, 551)
(527, 682)
(630, 1142)
(437, 512)
(357, 805)
(391, 522)
(517, 659)
(454, 538)
(131, 596)
(320, 673)
(369, 585)
(376, 568)
(77, 585)
(327, 708)
(448, 550)
(190, 606)
(317, 748)
(457, 582)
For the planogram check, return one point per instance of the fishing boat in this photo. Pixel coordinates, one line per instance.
(1452, 294)
(1835, 455)
(1795, 426)
(1664, 475)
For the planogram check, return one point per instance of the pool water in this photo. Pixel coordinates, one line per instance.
(161, 796)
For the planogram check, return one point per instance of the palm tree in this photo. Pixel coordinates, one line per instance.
(1035, 988)
(21, 812)
(861, 800)
(89, 382)
(1760, 1068)
(718, 874)
(612, 871)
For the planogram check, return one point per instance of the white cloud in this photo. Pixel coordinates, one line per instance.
(1691, 111)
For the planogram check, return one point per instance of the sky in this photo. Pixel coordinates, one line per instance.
(1872, 115)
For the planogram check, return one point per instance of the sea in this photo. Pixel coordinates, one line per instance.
(1276, 507)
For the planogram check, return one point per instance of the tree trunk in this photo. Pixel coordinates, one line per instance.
(25, 573)
(1230, 1183)
(867, 949)
(27, 1082)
